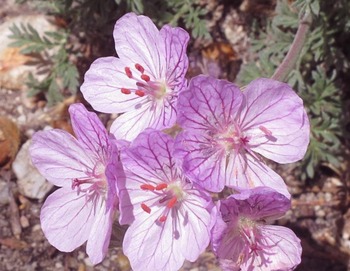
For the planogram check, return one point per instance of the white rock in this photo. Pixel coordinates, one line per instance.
(30, 182)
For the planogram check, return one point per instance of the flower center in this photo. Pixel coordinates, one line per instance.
(250, 232)
(144, 85)
(94, 184)
(231, 139)
(170, 196)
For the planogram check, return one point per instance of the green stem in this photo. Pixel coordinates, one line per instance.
(294, 52)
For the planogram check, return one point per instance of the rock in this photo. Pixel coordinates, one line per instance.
(30, 182)
(9, 141)
(4, 192)
(14, 66)
(24, 222)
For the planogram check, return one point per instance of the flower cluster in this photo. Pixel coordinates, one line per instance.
(159, 185)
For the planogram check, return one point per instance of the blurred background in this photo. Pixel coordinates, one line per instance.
(47, 46)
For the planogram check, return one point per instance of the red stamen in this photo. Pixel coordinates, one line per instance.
(125, 91)
(171, 202)
(140, 85)
(145, 208)
(145, 77)
(128, 72)
(139, 68)
(162, 218)
(147, 187)
(140, 93)
(161, 186)
(265, 130)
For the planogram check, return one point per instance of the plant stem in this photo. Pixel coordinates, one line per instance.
(294, 52)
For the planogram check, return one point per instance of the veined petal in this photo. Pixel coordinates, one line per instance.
(66, 219)
(283, 250)
(100, 234)
(175, 40)
(232, 246)
(151, 245)
(163, 232)
(60, 158)
(195, 229)
(249, 173)
(113, 170)
(264, 202)
(228, 265)
(203, 162)
(103, 83)
(208, 104)
(138, 40)
(150, 152)
(90, 131)
(149, 115)
(275, 120)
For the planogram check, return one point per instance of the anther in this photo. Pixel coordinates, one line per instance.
(162, 218)
(171, 202)
(75, 183)
(140, 93)
(125, 91)
(140, 85)
(128, 72)
(139, 68)
(145, 208)
(161, 186)
(147, 187)
(145, 77)
(265, 130)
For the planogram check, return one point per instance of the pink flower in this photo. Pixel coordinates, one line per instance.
(144, 82)
(243, 241)
(226, 131)
(170, 217)
(85, 168)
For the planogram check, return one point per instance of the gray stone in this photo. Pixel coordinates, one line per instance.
(30, 182)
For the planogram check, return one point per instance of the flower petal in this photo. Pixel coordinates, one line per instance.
(90, 131)
(283, 250)
(203, 162)
(209, 104)
(276, 121)
(138, 40)
(150, 154)
(228, 265)
(130, 124)
(249, 172)
(100, 234)
(103, 83)
(175, 40)
(261, 202)
(66, 219)
(59, 157)
(151, 245)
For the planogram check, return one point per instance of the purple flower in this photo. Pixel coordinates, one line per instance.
(85, 168)
(144, 81)
(170, 217)
(226, 131)
(242, 239)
